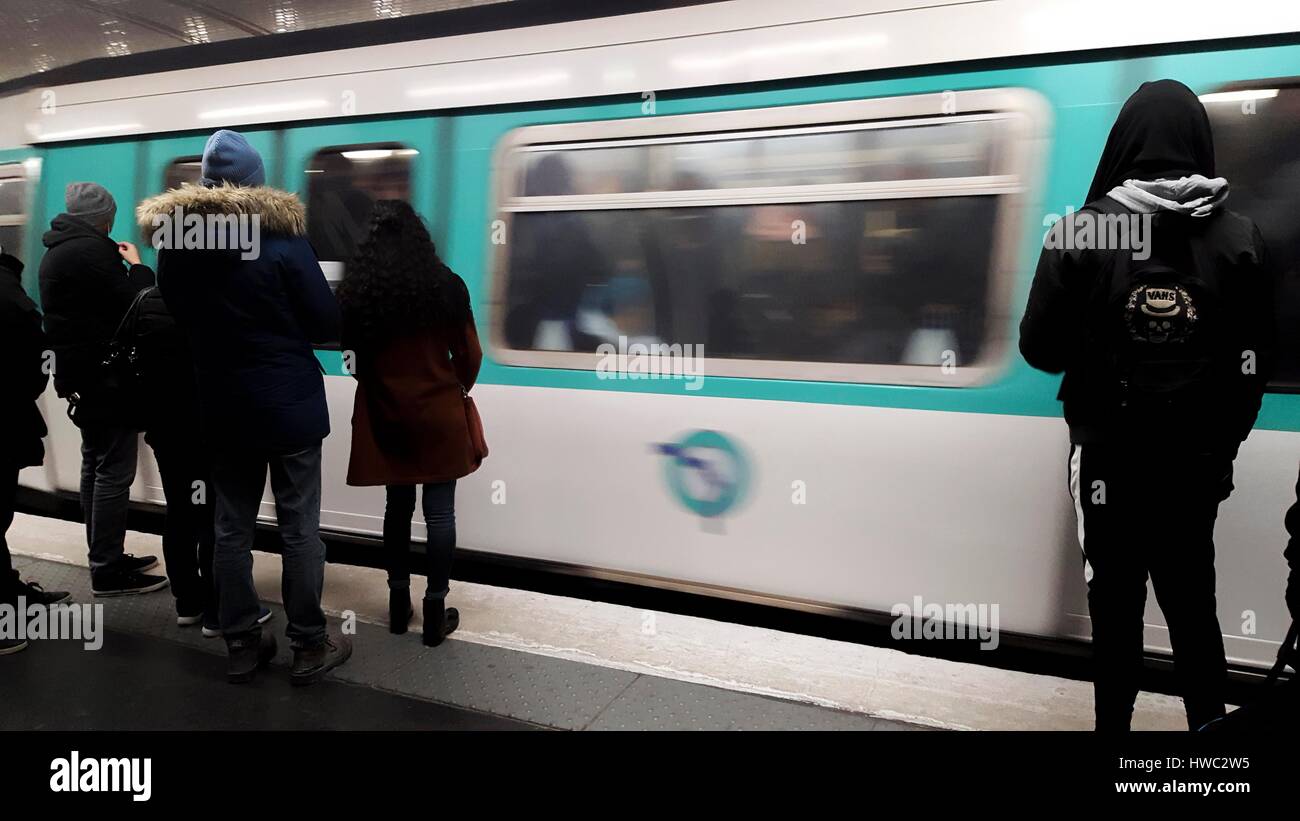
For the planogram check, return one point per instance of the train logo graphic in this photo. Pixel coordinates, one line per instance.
(706, 472)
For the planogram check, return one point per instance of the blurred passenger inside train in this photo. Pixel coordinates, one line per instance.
(87, 282)
(555, 261)
(408, 326)
(621, 312)
(339, 207)
(1166, 351)
(21, 426)
(252, 323)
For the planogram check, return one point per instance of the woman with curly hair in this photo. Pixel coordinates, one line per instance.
(409, 333)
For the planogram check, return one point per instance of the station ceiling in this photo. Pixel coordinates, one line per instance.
(42, 35)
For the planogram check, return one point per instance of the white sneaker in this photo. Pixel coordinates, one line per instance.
(215, 632)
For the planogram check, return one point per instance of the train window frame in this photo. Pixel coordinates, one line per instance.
(1254, 84)
(29, 171)
(1019, 144)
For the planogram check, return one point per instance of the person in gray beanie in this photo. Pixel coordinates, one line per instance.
(252, 324)
(87, 282)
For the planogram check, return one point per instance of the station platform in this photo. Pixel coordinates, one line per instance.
(521, 660)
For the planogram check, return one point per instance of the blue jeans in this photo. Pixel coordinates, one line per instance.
(108, 460)
(238, 480)
(439, 502)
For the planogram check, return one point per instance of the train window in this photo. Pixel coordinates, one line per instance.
(13, 208)
(342, 186)
(181, 171)
(1255, 124)
(869, 246)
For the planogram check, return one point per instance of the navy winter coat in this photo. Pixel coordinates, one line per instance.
(251, 322)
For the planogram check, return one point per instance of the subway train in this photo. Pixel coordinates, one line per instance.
(835, 206)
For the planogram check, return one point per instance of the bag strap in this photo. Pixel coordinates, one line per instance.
(132, 314)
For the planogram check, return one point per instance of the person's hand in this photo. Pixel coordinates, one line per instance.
(1293, 593)
(129, 253)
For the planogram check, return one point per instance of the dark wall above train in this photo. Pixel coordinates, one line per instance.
(55, 42)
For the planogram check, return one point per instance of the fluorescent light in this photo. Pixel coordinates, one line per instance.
(509, 84)
(797, 48)
(369, 154)
(92, 131)
(1239, 96)
(267, 108)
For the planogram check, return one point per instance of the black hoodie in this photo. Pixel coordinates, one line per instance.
(23, 341)
(86, 288)
(1162, 132)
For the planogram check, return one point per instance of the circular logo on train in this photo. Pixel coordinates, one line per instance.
(1160, 314)
(706, 472)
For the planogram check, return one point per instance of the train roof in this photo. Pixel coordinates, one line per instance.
(708, 44)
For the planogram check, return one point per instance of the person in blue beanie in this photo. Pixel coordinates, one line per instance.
(253, 312)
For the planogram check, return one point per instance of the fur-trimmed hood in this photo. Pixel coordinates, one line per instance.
(280, 212)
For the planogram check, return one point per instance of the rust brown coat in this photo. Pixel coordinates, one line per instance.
(408, 417)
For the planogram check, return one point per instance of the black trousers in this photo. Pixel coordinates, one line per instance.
(1151, 512)
(188, 538)
(8, 495)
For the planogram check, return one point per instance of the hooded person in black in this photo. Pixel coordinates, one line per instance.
(88, 281)
(21, 424)
(1148, 470)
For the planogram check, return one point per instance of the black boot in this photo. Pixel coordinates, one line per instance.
(440, 621)
(399, 610)
(311, 663)
(249, 652)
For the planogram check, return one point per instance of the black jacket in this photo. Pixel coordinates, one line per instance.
(169, 401)
(1068, 304)
(85, 290)
(252, 321)
(24, 344)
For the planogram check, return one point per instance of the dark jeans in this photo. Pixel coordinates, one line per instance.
(1139, 516)
(8, 493)
(188, 535)
(439, 501)
(238, 480)
(108, 461)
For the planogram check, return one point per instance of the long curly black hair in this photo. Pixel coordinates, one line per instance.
(397, 284)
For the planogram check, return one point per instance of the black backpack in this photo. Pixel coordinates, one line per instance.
(115, 397)
(1165, 330)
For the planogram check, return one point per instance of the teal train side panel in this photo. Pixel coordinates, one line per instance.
(452, 177)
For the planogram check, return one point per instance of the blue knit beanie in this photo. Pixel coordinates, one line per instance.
(229, 158)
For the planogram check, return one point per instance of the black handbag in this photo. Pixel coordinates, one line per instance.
(113, 398)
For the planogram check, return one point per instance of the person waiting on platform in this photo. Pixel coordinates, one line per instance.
(85, 292)
(252, 320)
(408, 327)
(21, 426)
(1166, 343)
